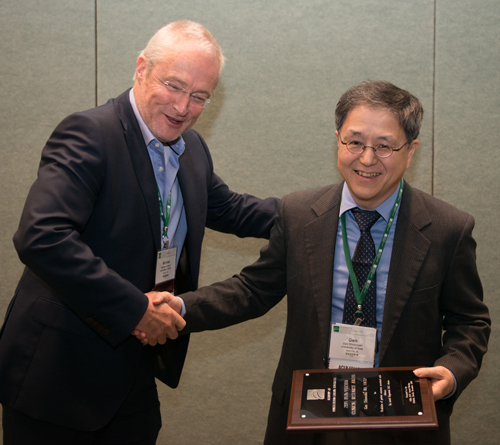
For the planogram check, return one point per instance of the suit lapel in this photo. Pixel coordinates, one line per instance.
(320, 237)
(409, 251)
(141, 162)
(194, 181)
(189, 191)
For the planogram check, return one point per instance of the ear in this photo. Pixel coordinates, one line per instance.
(141, 68)
(338, 139)
(413, 147)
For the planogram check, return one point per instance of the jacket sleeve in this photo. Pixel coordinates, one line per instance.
(51, 238)
(466, 321)
(248, 295)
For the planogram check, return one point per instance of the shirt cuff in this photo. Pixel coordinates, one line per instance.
(451, 394)
(183, 313)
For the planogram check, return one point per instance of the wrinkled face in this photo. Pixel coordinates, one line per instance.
(371, 180)
(169, 115)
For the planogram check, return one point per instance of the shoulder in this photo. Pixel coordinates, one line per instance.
(423, 209)
(317, 200)
(196, 146)
(192, 137)
(91, 138)
(115, 115)
(314, 193)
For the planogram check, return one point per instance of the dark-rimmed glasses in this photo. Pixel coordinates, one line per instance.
(380, 150)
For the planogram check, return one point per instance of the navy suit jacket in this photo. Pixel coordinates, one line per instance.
(433, 287)
(88, 235)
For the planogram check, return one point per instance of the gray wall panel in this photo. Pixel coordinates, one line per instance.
(287, 64)
(270, 130)
(47, 71)
(467, 116)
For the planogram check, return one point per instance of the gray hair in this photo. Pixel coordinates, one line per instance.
(176, 32)
(379, 94)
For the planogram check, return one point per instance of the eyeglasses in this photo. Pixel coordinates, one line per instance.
(197, 100)
(380, 150)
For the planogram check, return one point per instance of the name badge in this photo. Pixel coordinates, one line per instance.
(165, 270)
(352, 346)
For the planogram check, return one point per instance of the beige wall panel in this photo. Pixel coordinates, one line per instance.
(466, 156)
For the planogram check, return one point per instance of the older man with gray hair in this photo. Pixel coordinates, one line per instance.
(115, 217)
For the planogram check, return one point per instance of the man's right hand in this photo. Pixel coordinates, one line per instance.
(160, 321)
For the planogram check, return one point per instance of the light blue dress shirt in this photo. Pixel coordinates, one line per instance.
(341, 273)
(165, 161)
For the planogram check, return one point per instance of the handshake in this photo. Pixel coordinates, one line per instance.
(162, 319)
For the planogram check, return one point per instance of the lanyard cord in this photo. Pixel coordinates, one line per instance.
(165, 216)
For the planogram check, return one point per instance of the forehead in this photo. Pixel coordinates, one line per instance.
(363, 120)
(191, 65)
(189, 55)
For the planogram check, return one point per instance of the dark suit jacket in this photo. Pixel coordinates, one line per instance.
(88, 235)
(433, 285)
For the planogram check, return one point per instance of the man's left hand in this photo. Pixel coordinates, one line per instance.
(442, 380)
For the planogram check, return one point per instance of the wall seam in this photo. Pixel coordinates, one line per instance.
(95, 54)
(433, 137)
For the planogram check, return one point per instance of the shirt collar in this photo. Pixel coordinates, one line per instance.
(384, 209)
(146, 132)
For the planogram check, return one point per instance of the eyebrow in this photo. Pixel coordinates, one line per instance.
(353, 133)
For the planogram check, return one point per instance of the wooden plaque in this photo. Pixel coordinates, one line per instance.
(355, 399)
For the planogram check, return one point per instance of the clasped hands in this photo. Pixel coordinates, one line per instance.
(161, 320)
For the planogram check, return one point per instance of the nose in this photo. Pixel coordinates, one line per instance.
(368, 157)
(181, 104)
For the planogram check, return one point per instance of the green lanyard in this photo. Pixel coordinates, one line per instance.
(165, 217)
(360, 296)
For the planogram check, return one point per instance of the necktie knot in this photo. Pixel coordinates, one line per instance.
(365, 219)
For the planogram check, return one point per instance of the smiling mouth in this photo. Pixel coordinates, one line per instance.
(174, 121)
(367, 175)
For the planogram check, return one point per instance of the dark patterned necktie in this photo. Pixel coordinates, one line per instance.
(362, 261)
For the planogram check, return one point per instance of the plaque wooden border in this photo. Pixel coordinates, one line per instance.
(296, 423)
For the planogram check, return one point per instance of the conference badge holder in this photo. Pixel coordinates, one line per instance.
(165, 270)
(352, 346)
